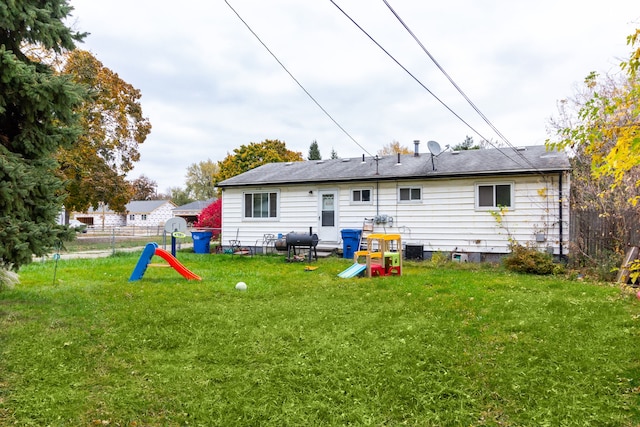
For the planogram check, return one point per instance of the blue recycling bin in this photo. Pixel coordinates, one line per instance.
(201, 240)
(350, 241)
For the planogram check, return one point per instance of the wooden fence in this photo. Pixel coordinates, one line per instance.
(596, 235)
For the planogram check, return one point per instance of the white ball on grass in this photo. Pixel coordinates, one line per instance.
(241, 286)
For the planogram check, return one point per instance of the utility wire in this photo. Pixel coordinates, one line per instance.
(464, 95)
(296, 80)
(417, 80)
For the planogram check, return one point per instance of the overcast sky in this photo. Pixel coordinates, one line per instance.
(209, 86)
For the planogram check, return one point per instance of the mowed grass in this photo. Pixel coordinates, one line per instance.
(447, 344)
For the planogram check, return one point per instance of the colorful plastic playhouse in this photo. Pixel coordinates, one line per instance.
(383, 256)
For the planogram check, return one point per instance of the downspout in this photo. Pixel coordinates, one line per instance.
(377, 187)
(561, 254)
(377, 198)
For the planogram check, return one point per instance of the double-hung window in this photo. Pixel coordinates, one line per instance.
(261, 205)
(361, 196)
(491, 196)
(410, 194)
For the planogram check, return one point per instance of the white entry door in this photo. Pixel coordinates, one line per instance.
(328, 216)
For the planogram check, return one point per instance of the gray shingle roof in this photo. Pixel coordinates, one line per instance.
(134, 206)
(145, 206)
(198, 205)
(533, 159)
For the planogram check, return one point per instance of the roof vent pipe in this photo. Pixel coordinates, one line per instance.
(363, 159)
(398, 158)
(416, 151)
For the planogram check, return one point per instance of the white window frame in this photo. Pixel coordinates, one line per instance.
(411, 189)
(132, 217)
(494, 205)
(360, 190)
(268, 193)
(143, 217)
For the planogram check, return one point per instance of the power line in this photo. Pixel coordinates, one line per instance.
(417, 80)
(296, 80)
(464, 95)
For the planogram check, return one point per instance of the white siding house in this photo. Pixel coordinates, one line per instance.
(472, 202)
(101, 217)
(149, 213)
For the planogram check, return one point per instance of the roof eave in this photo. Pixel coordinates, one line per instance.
(398, 177)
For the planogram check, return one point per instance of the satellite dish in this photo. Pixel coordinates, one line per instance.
(434, 148)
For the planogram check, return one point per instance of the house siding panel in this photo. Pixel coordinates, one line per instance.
(445, 219)
(157, 217)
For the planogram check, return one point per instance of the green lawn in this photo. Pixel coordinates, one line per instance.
(446, 344)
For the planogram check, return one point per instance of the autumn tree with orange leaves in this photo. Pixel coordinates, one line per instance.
(113, 127)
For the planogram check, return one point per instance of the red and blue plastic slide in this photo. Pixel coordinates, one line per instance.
(145, 258)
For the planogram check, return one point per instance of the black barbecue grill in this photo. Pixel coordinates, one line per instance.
(293, 242)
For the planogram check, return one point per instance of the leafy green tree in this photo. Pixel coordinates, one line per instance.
(180, 196)
(201, 180)
(113, 126)
(36, 119)
(334, 154)
(314, 151)
(608, 125)
(251, 156)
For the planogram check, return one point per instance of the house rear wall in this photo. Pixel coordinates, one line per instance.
(445, 219)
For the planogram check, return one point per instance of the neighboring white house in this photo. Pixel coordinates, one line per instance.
(471, 201)
(149, 213)
(101, 217)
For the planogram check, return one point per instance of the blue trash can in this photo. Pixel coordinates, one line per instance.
(201, 240)
(350, 241)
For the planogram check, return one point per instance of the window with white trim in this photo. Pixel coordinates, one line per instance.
(361, 195)
(489, 196)
(143, 217)
(261, 205)
(410, 194)
(132, 217)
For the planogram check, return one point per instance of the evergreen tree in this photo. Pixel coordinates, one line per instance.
(314, 151)
(334, 154)
(36, 118)
(467, 144)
